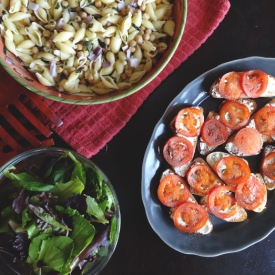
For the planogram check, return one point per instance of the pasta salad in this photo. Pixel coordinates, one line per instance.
(87, 46)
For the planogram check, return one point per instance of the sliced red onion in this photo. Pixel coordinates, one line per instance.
(133, 4)
(124, 48)
(105, 64)
(133, 62)
(73, 14)
(60, 23)
(128, 53)
(97, 50)
(33, 6)
(9, 60)
(89, 19)
(121, 5)
(94, 56)
(53, 70)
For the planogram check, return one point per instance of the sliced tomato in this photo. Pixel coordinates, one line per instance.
(254, 83)
(248, 141)
(188, 121)
(214, 132)
(265, 120)
(230, 85)
(234, 115)
(233, 170)
(268, 165)
(250, 194)
(190, 217)
(173, 190)
(222, 202)
(178, 151)
(201, 178)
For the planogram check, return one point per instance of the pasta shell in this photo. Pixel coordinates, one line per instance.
(169, 27)
(63, 36)
(108, 82)
(18, 16)
(15, 6)
(136, 76)
(42, 15)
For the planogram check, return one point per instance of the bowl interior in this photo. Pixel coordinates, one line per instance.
(33, 159)
(14, 67)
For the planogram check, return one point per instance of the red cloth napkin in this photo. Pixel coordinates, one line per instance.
(87, 129)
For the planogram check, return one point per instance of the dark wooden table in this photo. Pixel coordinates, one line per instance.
(247, 30)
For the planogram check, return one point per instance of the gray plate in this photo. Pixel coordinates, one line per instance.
(226, 237)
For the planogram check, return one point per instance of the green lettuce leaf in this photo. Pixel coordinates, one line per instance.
(27, 181)
(50, 251)
(94, 209)
(68, 189)
(44, 216)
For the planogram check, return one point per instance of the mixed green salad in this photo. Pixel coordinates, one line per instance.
(56, 218)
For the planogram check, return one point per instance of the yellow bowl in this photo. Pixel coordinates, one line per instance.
(14, 67)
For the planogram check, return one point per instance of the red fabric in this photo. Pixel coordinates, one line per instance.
(87, 129)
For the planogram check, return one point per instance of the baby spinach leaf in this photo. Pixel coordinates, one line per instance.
(27, 181)
(94, 209)
(68, 189)
(82, 233)
(44, 216)
(78, 171)
(51, 251)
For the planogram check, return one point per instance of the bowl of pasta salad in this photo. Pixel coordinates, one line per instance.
(88, 51)
(59, 214)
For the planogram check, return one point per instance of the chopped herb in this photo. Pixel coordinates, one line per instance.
(88, 44)
(136, 27)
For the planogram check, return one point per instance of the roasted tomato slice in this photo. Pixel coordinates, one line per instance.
(190, 217)
(178, 151)
(248, 141)
(214, 132)
(173, 190)
(230, 85)
(188, 121)
(201, 178)
(250, 194)
(222, 202)
(232, 170)
(234, 115)
(268, 165)
(254, 83)
(265, 120)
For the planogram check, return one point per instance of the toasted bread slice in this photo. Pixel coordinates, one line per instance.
(182, 170)
(207, 184)
(204, 148)
(253, 143)
(240, 216)
(215, 157)
(206, 229)
(269, 91)
(269, 183)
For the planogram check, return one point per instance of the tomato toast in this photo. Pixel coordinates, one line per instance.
(187, 215)
(252, 194)
(268, 166)
(222, 203)
(201, 177)
(179, 150)
(192, 217)
(188, 122)
(217, 128)
(260, 129)
(249, 84)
